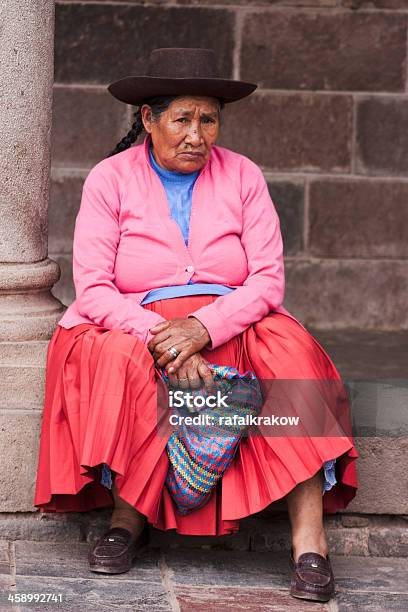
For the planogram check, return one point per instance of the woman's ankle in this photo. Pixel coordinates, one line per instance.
(310, 542)
(132, 521)
(125, 515)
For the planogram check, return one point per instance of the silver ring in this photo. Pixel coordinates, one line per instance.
(174, 351)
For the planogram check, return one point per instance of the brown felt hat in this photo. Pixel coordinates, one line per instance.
(180, 71)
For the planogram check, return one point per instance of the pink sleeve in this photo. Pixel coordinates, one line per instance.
(264, 288)
(96, 238)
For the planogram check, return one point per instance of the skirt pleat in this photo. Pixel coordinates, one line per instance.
(101, 407)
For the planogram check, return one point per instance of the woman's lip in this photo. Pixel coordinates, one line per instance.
(191, 154)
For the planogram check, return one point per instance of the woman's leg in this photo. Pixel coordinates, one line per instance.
(305, 507)
(125, 515)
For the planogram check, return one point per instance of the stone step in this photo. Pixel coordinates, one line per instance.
(348, 534)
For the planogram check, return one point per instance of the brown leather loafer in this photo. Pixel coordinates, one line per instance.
(312, 577)
(115, 551)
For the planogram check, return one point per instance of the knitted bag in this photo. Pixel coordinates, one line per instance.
(200, 453)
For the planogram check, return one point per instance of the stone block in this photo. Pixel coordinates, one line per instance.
(43, 526)
(87, 124)
(370, 4)
(358, 218)
(286, 131)
(382, 136)
(228, 568)
(330, 294)
(65, 200)
(7, 586)
(4, 558)
(288, 200)
(30, 353)
(100, 43)
(22, 387)
(22, 374)
(371, 601)
(224, 599)
(348, 542)
(336, 50)
(389, 543)
(267, 3)
(274, 535)
(91, 592)
(363, 354)
(255, 3)
(354, 520)
(382, 476)
(19, 441)
(356, 574)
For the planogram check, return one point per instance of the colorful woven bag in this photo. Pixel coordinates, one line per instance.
(200, 453)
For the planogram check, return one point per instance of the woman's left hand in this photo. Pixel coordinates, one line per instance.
(187, 335)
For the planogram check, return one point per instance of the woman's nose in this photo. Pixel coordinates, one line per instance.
(194, 136)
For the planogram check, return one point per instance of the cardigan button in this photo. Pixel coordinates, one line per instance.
(190, 269)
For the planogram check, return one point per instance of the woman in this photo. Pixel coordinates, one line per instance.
(177, 263)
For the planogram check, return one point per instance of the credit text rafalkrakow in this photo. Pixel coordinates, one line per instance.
(181, 399)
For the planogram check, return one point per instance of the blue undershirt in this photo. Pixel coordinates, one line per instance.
(179, 191)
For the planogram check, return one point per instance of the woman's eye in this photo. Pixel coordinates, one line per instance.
(181, 119)
(208, 120)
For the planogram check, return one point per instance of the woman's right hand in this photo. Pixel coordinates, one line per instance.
(193, 374)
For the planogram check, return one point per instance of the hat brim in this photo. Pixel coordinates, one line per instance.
(134, 89)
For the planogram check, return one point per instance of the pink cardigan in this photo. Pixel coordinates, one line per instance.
(126, 243)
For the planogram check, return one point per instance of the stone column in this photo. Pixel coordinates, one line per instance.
(28, 310)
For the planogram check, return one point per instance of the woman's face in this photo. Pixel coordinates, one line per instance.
(183, 134)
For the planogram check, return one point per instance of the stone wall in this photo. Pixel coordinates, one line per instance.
(328, 125)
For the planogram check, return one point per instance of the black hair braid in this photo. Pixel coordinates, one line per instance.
(131, 136)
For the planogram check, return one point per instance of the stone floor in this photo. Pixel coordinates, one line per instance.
(190, 581)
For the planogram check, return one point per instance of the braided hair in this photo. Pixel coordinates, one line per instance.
(158, 104)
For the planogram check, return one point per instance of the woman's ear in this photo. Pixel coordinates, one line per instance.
(146, 113)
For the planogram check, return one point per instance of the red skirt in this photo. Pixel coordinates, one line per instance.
(101, 407)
